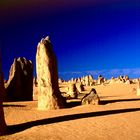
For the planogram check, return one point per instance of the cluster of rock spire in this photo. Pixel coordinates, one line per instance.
(20, 83)
(45, 87)
(89, 81)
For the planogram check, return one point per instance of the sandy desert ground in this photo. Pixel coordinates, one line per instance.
(117, 118)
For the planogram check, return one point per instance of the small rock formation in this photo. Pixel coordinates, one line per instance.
(87, 81)
(120, 79)
(60, 81)
(138, 88)
(79, 80)
(35, 89)
(91, 98)
(2, 92)
(83, 81)
(112, 80)
(49, 96)
(72, 91)
(127, 82)
(100, 80)
(72, 80)
(91, 81)
(90, 77)
(126, 77)
(20, 83)
(135, 81)
(79, 87)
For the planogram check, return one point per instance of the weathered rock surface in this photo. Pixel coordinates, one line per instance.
(87, 81)
(91, 98)
(112, 80)
(20, 83)
(49, 96)
(35, 89)
(79, 87)
(138, 88)
(2, 90)
(72, 91)
(100, 80)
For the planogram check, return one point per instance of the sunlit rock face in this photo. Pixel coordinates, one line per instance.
(91, 98)
(20, 83)
(49, 96)
(100, 80)
(79, 87)
(2, 92)
(87, 81)
(72, 92)
(138, 88)
(35, 89)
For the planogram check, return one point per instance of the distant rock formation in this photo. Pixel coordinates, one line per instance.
(49, 96)
(100, 80)
(91, 81)
(72, 91)
(138, 88)
(91, 98)
(79, 87)
(60, 81)
(35, 89)
(112, 80)
(87, 81)
(128, 82)
(2, 90)
(120, 79)
(19, 86)
(78, 80)
(126, 77)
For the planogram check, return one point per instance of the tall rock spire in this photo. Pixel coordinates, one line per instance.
(2, 90)
(49, 96)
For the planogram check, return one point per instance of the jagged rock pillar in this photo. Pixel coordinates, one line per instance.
(138, 88)
(19, 86)
(87, 81)
(49, 96)
(2, 90)
(72, 90)
(91, 98)
(79, 87)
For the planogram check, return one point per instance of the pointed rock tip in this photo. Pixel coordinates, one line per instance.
(43, 40)
(47, 38)
(21, 58)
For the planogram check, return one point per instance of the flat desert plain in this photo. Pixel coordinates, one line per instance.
(117, 118)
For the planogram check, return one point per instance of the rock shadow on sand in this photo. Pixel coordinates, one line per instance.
(21, 127)
(11, 105)
(104, 102)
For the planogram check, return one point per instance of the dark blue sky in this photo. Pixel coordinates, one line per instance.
(89, 37)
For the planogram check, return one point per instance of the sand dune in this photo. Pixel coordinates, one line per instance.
(116, 118)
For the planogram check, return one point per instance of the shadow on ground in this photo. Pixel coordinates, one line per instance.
(11, 105)
(21, 127)
(103, 102)
(73, 104)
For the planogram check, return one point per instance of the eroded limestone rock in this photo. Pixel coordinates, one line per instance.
(20, 83)
(79, 87)
(72, 91)
(49, 96)
(91, 98)
(2, 92)
(138, 88)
